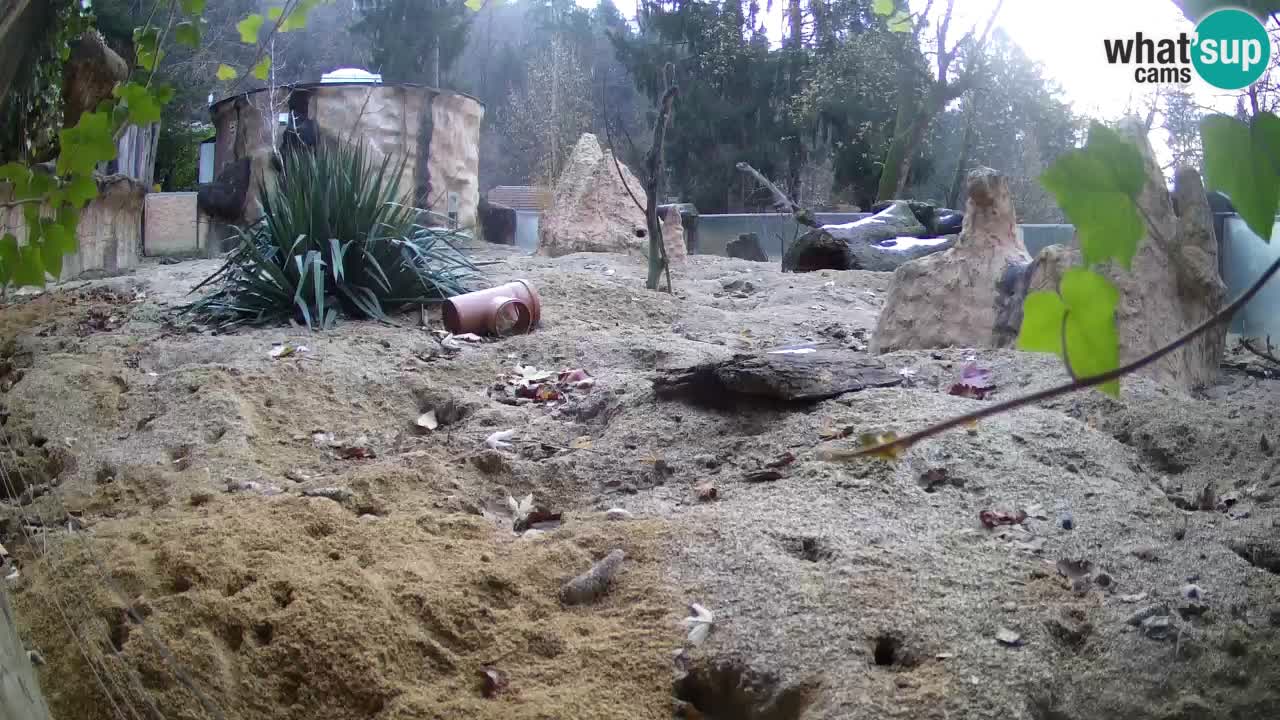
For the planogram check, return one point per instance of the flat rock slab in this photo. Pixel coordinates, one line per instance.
(800, 373)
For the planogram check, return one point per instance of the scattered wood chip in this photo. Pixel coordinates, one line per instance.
(782, 461)
(699, 623)
(762, 476)
(427, 420)
(498, 440)
(593, 583)
(494, 681)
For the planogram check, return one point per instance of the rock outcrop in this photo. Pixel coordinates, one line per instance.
(951, 298)
(1174, 283)
(592, 210)
(747, 247)
(881, 242)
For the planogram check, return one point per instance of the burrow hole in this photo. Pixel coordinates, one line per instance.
(730, 690)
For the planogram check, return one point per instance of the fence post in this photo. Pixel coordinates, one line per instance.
(20, 697)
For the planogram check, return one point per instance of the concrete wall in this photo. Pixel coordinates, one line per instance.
(110, 231)
(20, 697)
(172, 226)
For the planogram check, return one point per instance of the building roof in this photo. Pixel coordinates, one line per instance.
(519, 197)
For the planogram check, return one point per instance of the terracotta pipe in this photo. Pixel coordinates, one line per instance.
(510, 309)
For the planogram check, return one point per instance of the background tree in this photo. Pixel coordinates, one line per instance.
(543, 119)
(414, 40)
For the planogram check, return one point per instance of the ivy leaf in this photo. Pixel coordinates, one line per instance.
(28, 271)
(69, 218)
(226, 73)
(1241, 161)
(51, 250)
(263, 69)
(87, 144)
(249, 29)
(1096, 187)
(274, 14)
(297, 19)
(164, 93)
(143, 108)
(1088, 305)
(474, 5)
(900, 22)
(193, 7)
(1093, 343)
(146, 43)
(883, 8)
(1042, 314)
(9, 258)
(81, 188)
(187, 33)
(19, 176)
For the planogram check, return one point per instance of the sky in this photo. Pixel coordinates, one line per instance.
(1066, 38)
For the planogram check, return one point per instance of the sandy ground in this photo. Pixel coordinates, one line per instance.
(190, 466)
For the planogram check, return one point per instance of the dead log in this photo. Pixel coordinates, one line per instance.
(797, 374)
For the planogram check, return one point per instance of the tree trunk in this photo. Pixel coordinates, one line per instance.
(966, 146)
(907, 109)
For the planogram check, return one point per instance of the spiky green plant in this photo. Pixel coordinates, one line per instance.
(336, 233)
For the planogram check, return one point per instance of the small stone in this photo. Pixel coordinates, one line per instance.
(1142, 615)
(1103, 580)
(335, 494)
(385, 343)
(1134, 598)
(1157, 627)
(1009, 607)
(1146, 553)
(711, 462)
(1191, 592)
(617, 514)
(629, 488)
(707, 492)
(486, 557)
(1008, 638)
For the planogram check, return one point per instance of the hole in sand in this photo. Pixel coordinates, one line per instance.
(733, 691)
(118, 629)
(264, 632)
(809, 549)
(885, 650)
(282, 593)
(234, 636)
(180, 584)
(105, 474)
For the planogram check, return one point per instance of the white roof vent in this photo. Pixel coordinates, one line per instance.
(351, 75)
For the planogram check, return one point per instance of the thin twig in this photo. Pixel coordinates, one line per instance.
(285, 12)
(780, 200)
(1223, 315)
(604, 105)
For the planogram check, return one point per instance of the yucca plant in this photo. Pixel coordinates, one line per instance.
(336, 234)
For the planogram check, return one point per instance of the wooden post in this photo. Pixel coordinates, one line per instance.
(20, 697)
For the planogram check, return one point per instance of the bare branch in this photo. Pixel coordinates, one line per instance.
(1268, 354)
(608, 135)
(781, 202)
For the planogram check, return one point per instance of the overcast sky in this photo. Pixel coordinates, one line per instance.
(1066, 37)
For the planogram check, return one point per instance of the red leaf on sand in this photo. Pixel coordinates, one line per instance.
(356, 452)
(992, 518)
(574, 376)
(975, 382)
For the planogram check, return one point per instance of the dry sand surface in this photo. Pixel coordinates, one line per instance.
(296, 547)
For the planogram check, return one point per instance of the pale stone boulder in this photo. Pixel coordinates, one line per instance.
(1174, 283)
(950, 299)
(593, 212)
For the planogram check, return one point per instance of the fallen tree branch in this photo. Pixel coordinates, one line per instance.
(1268, 354)
(903, 443)
(781, 202)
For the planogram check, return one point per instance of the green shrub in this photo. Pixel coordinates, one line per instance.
(336, 234)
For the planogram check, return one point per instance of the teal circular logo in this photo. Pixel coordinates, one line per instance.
(1232, 49)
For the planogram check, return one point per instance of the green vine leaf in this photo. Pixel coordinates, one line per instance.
(1096, 188)
(249, 29)
(883, 8)
(263, 69)
(90, 142)
(9, 258)
(297, 19)
(193, 7)
(1084, 316)
(226, 73)
(28, 270)
(187, 33)
(143, 108)
(1241, 161)
(81, 189)
(274, 13)
(146, 43)
(164, 93)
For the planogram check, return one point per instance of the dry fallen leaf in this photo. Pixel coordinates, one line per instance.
(582, 442)
(707, 492)
(356, 452)
(427, 420)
